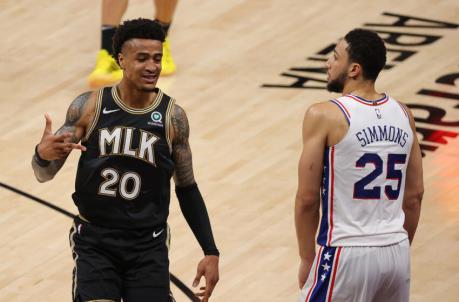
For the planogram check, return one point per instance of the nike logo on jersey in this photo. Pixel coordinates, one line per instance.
(105, 111)
(157, 234)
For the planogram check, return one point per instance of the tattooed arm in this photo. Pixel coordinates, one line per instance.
(181, 151)
(53, 149)
(192, 204)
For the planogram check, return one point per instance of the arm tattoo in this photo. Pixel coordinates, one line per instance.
(74, 113)
(181, 152)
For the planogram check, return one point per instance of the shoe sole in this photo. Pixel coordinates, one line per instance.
(101, 81)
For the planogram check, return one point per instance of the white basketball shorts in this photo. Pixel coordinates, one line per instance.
(359, 274)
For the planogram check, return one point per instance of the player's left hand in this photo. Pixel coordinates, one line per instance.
(207, 267)
(303, 272)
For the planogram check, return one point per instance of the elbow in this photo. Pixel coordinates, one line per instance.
(307, 202)
(413, 199)
(43, 178)
(40, 173)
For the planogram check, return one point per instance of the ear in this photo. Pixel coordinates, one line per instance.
(354, 71)
(121, 60)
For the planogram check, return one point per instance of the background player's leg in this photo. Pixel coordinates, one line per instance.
(113, 11)
(107, 71)
(164, 12)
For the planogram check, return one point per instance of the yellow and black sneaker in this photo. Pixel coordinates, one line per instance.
(106, 73)
(167, 62)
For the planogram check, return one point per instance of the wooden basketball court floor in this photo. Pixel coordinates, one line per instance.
(233, 57)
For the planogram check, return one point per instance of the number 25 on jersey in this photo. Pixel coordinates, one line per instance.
(360, 192)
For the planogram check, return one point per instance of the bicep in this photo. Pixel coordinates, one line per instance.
(414, 177)
(414, 173)
(183, 174)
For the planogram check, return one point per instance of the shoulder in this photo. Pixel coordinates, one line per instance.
(321, 112)
(82, 108)
(324, 121)
(178, 110)
(405, 107)
(85, 98)
(408, 111)
(178, 116)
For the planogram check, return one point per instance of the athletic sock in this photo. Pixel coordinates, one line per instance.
(108, 31)
(164, 26)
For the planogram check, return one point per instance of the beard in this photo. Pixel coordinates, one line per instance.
(337, 85)
(147, 87)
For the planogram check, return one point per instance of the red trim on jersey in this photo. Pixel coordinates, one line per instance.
(383, 101)
(334, 274)
(316, 269)
(348, 114)
(331, 186)
(403, 108)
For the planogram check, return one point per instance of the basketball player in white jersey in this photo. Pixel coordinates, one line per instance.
(362, 162)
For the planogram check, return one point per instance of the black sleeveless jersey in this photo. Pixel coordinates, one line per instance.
(123, 178)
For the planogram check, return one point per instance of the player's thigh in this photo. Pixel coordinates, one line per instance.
(323, 275)
(397, 285)
(356, 275)
(95, 275)
(148, 267)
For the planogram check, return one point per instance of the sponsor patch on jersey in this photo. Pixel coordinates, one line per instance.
(156, 119)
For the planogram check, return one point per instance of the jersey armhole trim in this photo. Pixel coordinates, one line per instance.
(343, 110)
(170, 107)
(96, 115)
(403, 108)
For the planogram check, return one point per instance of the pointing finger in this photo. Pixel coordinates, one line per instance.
(48, 123)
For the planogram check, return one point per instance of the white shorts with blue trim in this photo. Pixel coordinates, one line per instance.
(359, 274)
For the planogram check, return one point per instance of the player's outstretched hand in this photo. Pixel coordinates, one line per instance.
(207, 267)
(57, 146)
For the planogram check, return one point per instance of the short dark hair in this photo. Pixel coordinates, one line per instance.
(137, 28)
(366, 48)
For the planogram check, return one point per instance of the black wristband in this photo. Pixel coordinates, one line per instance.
(213, 252)
(40, 161)
(195, 212)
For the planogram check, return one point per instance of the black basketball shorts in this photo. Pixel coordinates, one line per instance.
(111, 264)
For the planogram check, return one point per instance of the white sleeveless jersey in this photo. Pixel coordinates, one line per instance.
(364, 175)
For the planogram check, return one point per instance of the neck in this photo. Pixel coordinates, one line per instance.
(133, 97)
(362, 88)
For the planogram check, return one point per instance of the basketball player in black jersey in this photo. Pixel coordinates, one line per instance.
(134, 138)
